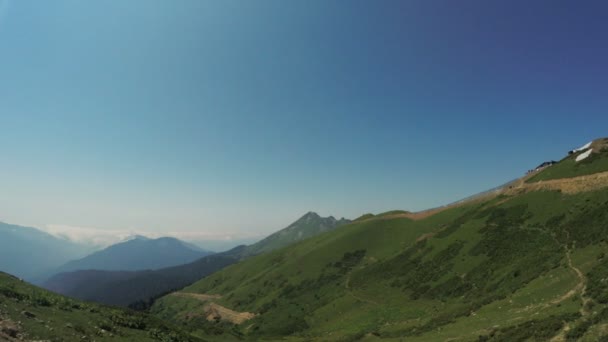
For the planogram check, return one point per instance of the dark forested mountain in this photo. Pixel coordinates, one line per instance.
(127, 287)
(124, 288)
(139, 253)
(33, 254)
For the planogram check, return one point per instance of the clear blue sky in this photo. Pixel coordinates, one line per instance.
(240, 116)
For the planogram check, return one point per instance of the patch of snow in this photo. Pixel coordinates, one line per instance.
(582, 148)
(584, 155)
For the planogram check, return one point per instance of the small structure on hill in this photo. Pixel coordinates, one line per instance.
(543, 166)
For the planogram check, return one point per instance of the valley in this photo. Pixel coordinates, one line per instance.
(511, 265)
(138, 288)
(28, 313)
(525, 261)
(303, 171)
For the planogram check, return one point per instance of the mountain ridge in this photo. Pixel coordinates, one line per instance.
(33, 254)
(308, 225)
(138, 253)
(523, 263)
(139, 288)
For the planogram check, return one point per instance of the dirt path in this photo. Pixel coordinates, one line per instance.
(214, 311)
(566, 185)
(580, 288)
(9, 330)
(199, 296)
(582, 285)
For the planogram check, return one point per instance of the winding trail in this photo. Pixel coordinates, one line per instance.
(581, 289)
(582, 285)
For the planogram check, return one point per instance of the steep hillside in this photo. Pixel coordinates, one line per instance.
(525, 263)
(33, 254)
(28, 313)
(141, 287)
(590, 158)
(309, 225)
(139, 253)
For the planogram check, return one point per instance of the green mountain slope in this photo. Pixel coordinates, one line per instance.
(28, 313)
(596, 161)
(139, 288)
(305, 227)
(527, 263)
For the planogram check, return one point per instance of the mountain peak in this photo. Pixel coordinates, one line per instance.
(310, 215)
(309, 225)
(138, 253)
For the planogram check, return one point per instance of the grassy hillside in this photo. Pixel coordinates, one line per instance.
(28, 313)
(569, 167)
(530, 265)
(309, 225)
(138, 289)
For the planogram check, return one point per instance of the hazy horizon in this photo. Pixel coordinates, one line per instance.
(233, 119)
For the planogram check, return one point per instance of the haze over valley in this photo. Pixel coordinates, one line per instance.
(273, 170)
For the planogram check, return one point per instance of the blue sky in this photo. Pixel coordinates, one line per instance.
(236, 117)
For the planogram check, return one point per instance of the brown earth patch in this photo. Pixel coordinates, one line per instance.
(213, 311)
(216, 312)
(425, 236)
(566, 185)
(199, 296)
(9, 330)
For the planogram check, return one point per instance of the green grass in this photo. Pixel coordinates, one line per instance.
(42, 315)
(499, 270)
(392, 212)
(492, 269)
(568, 167)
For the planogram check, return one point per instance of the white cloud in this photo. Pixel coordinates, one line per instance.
(99, 237)
(90, 236)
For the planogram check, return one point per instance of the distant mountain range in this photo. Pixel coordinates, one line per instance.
(140, 287)
(140, 253)
(33, 254)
